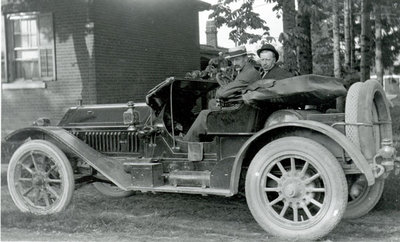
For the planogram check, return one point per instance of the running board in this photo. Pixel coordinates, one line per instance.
(188, 190)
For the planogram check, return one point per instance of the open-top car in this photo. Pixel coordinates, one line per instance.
(302, 165)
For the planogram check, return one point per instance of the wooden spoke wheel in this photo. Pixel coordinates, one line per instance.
(296, 189)
(40, 178)
(111, 190)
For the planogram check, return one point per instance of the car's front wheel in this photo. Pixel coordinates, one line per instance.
(40, 178)
(296, 189)
(111, 190)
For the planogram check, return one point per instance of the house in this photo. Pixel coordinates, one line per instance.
(57, 53)
(210, 49)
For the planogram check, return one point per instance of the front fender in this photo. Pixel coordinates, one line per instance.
(108, 166)
(354, 153)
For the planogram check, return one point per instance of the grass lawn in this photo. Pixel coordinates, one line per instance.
(180, 217)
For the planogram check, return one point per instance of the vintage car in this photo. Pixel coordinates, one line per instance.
(301, 163)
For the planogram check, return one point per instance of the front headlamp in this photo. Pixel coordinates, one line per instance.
(131, 117)
(42, 122)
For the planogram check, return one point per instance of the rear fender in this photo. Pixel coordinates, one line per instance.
(267, 135)
(108, 166)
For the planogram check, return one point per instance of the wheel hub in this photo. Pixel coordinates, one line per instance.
(38, 180)
(293, 188)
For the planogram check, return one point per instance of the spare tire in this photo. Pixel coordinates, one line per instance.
(368, 122)
(351, 114)
(367, 106)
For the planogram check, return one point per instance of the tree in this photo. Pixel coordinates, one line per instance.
(390, 22)
(336, 39)
(351, 32)
(336, 50)
(303, 25)
(347, 34)
(287, 38)
(308, 40)
(378, 43)
(364, 40)
(241, 20)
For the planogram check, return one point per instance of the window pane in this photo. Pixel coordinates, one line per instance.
(17, 26)
(27, 70)
(24, 41)
(25, 33)
(17, 41)
(46, 30)
(24, 26)
(33, 26)
(31, 37)
(46, 62)
(33, 40)
(26, 54)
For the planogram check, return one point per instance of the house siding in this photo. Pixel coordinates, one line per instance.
(139, 43)
(106, 52)
(20, 107)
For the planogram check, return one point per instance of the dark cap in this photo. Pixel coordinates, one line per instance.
(270, 48)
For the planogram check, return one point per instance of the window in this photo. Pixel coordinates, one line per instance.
(30, 47)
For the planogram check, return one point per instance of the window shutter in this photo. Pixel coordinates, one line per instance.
(46, 47)
(9, 49)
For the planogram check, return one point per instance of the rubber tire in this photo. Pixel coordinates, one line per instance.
(64, 168)
(360, 102)
(324, 161)
(368, 199)
(351, 114)
(111, 190)
(365, 103)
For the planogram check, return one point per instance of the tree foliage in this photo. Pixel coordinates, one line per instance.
(242, 20)
(311, 25)
(390, 17)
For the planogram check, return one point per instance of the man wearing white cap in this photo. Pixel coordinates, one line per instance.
(247, 74)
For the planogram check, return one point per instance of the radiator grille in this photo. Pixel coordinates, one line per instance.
(109, 141)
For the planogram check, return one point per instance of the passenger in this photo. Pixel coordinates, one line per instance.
(269, 71)
(268, 58)
(247, 74)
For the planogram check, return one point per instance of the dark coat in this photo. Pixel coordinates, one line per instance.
(276, 73)
(246, 76)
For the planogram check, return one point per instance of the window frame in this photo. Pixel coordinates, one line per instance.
(11, 81)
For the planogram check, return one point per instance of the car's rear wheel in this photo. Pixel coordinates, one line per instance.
(40, 178)
(362, 198)
(296, 189)
(111, 190)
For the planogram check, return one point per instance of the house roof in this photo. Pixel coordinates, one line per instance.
(202, 5)
(211, 51)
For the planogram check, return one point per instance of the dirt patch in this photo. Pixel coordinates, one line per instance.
(180, 217)
(170, 217)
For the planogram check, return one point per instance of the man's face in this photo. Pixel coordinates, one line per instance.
(239, 61)
(267, 60)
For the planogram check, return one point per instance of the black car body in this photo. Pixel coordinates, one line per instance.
(300, 167)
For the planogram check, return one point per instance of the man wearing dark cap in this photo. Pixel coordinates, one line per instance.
(268, 58)
(247, 74)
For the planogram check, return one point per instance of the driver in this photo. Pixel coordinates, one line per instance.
(247, 74)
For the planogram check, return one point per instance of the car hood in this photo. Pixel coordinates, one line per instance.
(102, 115)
